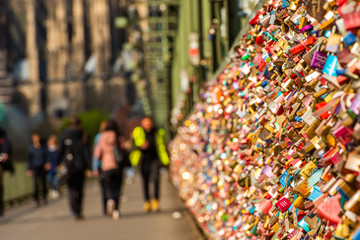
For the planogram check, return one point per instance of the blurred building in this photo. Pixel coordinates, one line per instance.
(67, 56)
(12, 48)
(57, 56)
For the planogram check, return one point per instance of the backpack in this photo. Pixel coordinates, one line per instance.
(122, 158)
(73, 158)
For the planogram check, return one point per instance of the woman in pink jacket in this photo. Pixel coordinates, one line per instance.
(109, 142)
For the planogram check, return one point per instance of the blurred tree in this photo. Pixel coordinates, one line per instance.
(90, 121)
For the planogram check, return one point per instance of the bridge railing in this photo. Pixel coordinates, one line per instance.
(17, 187)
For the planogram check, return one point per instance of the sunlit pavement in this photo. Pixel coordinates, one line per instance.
(53, 221)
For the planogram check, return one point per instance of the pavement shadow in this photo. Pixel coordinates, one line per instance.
(46, 219)
(34, 219)
(17, 218)
(151, 214)
(25, 210)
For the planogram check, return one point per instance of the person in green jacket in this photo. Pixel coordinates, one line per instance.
(150, 153)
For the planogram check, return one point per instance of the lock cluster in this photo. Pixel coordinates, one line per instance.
(272, 150)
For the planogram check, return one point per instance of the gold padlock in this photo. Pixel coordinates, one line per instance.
(320, 93)
(302, 189)
(308, 169)
(299, 203)
(310, 132)
(293, 6)
(343, 230)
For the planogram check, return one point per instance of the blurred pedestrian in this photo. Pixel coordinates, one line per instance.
(37, 165)
(74, 155)
(129, 170)
(53, 179)
(5, 164)
(150, 153)
(96, 168)
(108, 151)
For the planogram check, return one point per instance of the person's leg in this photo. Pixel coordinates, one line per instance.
(121, 180)
(111, 184)
(50, 181)
(36, 179)
(107, 181)
(56, 186)
(72, 193)
(56, 183)
(44, 185)
(117, 179)
(80, 193)
(1, 192)
(146, 179)
(103, 193)
(156, 179)
(130, 175)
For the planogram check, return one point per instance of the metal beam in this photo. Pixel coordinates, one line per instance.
(153, 57)
(170, 19)
(170, 33)
(156, 44)
(153, 49)
(156, 2)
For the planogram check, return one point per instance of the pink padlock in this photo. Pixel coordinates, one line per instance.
(343, 134)
(265, 206)
(293, 234)
(336, 158)
(283, 204)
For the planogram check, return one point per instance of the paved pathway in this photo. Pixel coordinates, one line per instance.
(52, 222)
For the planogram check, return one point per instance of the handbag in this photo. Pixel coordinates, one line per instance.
(121, 156)
(126, 159)
(62, 173)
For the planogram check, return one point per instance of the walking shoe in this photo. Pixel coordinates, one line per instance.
(51, 193)
(155, 205)
(77, 218)
(110, 206)
(115, 215)
(56, 195)
(147, 206)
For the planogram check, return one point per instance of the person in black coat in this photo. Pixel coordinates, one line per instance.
(74, 154)
(37, 166)
(5, 163)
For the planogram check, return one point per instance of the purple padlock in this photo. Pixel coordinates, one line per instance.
(318, 60)
(268, 171)
(355, 105)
